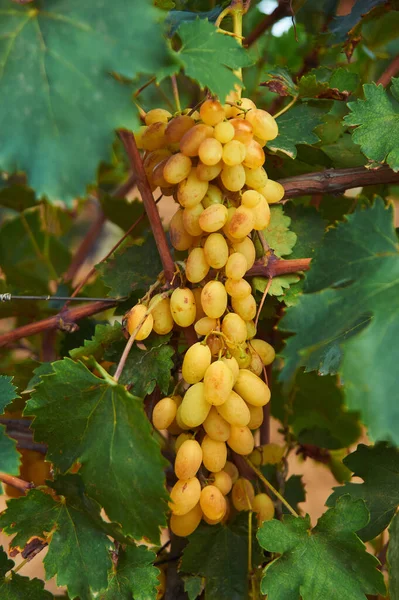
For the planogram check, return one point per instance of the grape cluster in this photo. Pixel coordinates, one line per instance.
(211, 161)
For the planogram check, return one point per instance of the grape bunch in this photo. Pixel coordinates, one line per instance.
(211, 162)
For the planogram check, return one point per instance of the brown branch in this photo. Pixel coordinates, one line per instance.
(390, 71)
(282, 10)
(150, 207)
(67, 317)
(19, 484)
(276, 266)
(336, 180)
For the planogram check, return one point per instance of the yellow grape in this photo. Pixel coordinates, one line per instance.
(260, 141)
(190, 191)
(247, 248)
(208, 172)
(216, 250)
(234, 410)
(177, 168)
(214, 299)
(255, 156)
(261, 214)
(222, 481)
(263, 124)
(184, 495)
(247, 104)
(138, 136)
(242, 355)
(265, 350)
(233, 178)
(256, 365)
(242, 130)
(214, 454)
(272, 454)
(153, 159)
(213, 218)
(213, 503)
(164, 413)
(234, 328)
(233, 153)
(251, 329)
(255, 178)
(182, 306)
(182, 437)
(224, 132)
(263, 505)
(161, 314)
(250, 387)
(180, 421)
(238, 288)
(210, 152)
(251, 198)
(273, 191)
(233, 366)
(256, 419)
(205, 325)
(213, 196)
(174, 428)
(135, 315)
(230, 213)
(216, 427)
(154, 136)
(245, 307)
(177, 127)
(236, 266)
(192, 140)
(231, 470)
(195, 362)
(179, 236)
(188, 459)
(241, 440)
(197, 266)
(242, 494)
(212, 112)
(199, 312)
(191, 219)
(157, 115)
(194, 408)
(242, 222)
(218, 383)
(157, 177)
(184, 525)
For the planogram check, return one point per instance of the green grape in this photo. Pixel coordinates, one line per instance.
(216, 427)
(213, 196)
(263, 505)
(273, 191)
(233, 178)
(213, 218)
(255, 178)
(261, 214)
(205, 325)
(208, 172)
(179, 236)
(161, 314)
(157, 115)
(242, 222)
(233, 366)
(265, 350)
(245, 307)
(251, 198)
(224, 132)
(247, 248)
(234, 328)
(191, 191)
(238, 288)
(191, 219)
(222, 481)
(263, 124)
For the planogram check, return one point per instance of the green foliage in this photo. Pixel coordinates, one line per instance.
(296, 126)
(278, 234)
(342, 26)
(328, 562)
(9, 457)
(393, 558)
(104, 336)
(378, 466)
(17, 587)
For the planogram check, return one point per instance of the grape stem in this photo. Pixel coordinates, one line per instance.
(283, 110)
(176, 93)
(263, 300)
(271, 487)
(18, 484)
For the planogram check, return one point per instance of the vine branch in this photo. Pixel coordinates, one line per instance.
(390, 71)
(19, 484)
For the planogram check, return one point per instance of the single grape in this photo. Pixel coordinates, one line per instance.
(256, 419)
(157, 178)
(234, 410)
(251, 198)
(273, 191)
(180, 421)
(236, 266)
(194, 408)
(242, 494)
(188, 459)
(191, 191)
(255, 178)
(182, 437)
(213, 196)
(245, 307)
(222, 481)
(224, 132)
(179, 236)
(213, 503)
(251, 388)
(216, 427)
(242, 130)
(265, 350)
(177, 168)
(210, 152)
(161, 314)
(214, 299)
(205, 325)
(184, 495)
(241, 440)
(242, 222)
(233, 178)
(184, 525)
(233, 366)
(218, 383)
(164, 413)
(247, 104)
(261, 214)
(177, 127)
(231, 470)
(263, 505)
(154, 136)
(251, 329)
(263, 124)
(191, 219)
(182, 306)
(255, 156)
(234, 328)
(157, 115)
(272, 454)
(238, 288)
(197, 267)
(242, 354)
(212, 112)
(152, 159)
(135, 315)
(208, 172)
(199, 312)
(247, 248)
(138, 136)
(196, 361)
(256, 365)
(213, 218)
(216, 250)
(214, 454)
(233, 153)
(192, 140)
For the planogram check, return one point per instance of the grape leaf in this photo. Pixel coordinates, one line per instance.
(134, 577)
(279, 81)
(18, 587)
(8, 392)
(278, 234)
(342, 25)
(278, 285)
(200, 44)
(294, 492)
(103, 337)
(131, 268)
(193, 586)
(17, 197)
(177, 17)
(377, 123)
(393, 558)
(350, 304)
(344, 153)
(320, 83)
(309, 227)
(328, 562)
(98, 423)
(57, 63)
(123, 212)
(296, 127)
(378, 466)
(9, 457)
(145, 367)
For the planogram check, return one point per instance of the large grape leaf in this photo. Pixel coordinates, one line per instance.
(328, 562)
(351, 304)
(134, 576)
(320, 83)
(393, 559)
(60, 102)
(104, 336)
(278, 234)
(378, 466)
(9, 457)
(308, 226)
(99, 424)
(18, 587)
(315, 411)
(342, 25)
(377, 123)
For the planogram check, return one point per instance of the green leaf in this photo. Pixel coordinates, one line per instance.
(99, 424)
(309, 227)
(344, 153)
(9, 457)
(57, 62)
(296, 127)
(122, 212)
(201, 43)
(134, 577)
(8, 392)
(177, 17)
(17, 587)
(278, 234)
(321, 83)
(17, 197)
(193, 586)
(393, 559)
(79, 553)
(279, 81)
(378, 466)
(104, 336)
(350, 306)
(294, 492)
(328, 562)
(133, 267)
(315, 411)
(278, 286)
(145, 367)
(377, 121)
(341, 26)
